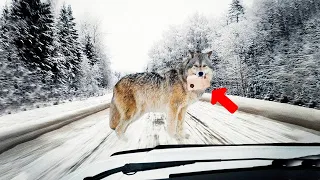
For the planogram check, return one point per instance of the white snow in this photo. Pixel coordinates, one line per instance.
(305, 117)
(56, 154)
(37, 115)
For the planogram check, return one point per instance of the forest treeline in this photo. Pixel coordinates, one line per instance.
(268, 51)
(46, 57)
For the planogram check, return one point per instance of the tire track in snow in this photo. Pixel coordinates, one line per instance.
(82, 160)
(204, 131)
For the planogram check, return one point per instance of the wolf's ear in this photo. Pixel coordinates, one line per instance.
(191, 53)
(209, 54)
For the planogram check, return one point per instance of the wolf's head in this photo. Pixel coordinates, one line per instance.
(199, 64)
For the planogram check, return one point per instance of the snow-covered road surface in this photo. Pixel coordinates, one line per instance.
(62, 151)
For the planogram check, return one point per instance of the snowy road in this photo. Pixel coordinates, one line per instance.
(62, 151)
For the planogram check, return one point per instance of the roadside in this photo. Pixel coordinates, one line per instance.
(37, 115)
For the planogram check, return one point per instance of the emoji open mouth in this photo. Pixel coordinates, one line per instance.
(198, 83)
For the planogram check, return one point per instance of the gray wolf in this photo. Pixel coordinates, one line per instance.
(140, 93)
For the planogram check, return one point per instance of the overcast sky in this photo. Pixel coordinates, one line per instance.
(132, 26)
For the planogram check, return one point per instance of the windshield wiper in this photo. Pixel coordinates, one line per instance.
(132, 168)
(209, 145)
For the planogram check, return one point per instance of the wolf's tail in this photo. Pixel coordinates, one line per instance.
(114, 115)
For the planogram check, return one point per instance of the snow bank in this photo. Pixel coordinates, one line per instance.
(34, 115)
(305, 117)
(20, 133)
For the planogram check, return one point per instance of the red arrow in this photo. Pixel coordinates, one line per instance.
(218, 95)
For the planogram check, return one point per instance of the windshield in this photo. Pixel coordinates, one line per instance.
(82, 80)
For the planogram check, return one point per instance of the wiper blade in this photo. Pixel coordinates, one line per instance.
(132, 168)
(209, 145)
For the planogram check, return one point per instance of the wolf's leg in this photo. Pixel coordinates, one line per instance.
(172, 120)
(180, 123)
(121, 128)
(127, 107)
(114, 116)
(124, 124)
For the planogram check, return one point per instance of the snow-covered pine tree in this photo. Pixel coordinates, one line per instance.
(59, 68)
(70, 47)
(4, 35)
(89, 77)
(259, 53)
(154, 54)
(104, 68)
(197, 32)
(31, 25)
(23, 82)
(89, 50)
(235, 45)
(94, 49)
(76, 49)
(236, 12)
(296, 65)
(282, 75)
(311, 38)
(5, 70)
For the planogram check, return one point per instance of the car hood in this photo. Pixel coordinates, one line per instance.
(194, 153)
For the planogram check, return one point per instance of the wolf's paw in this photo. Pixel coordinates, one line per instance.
(186, 136)
(172, 134)
(177, 136)
(180, 139)
(183, 135)
(122, 137)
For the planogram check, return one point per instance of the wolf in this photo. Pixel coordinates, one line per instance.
(137, 94)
